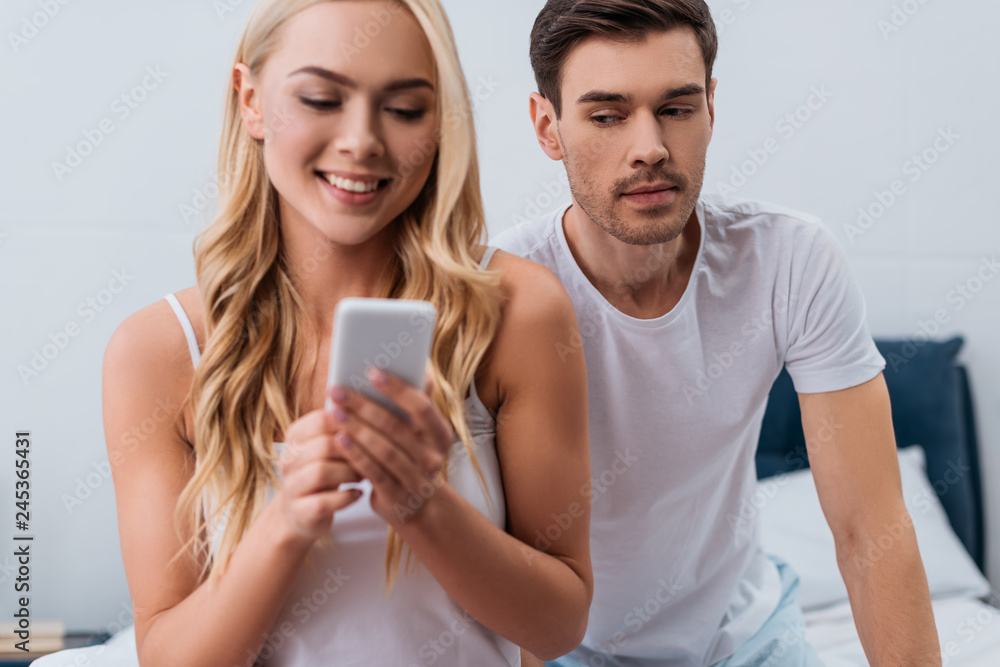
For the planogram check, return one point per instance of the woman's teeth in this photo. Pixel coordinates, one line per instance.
(358, 187)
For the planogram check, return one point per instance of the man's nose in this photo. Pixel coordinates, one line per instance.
(648, 142)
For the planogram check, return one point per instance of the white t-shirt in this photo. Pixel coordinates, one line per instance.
(676, 405)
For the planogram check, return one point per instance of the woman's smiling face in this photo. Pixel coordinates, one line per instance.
(347, 109)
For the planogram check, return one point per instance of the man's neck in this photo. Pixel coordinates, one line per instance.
(644, 282)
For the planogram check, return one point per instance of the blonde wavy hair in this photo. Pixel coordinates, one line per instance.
(242, 393)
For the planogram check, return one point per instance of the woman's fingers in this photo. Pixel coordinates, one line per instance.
(307, 426)
(316, 512)
(317, 476)
(338, 500)
(319, 447)
(427, 437)
(354, 406)
(312, 469)
(308, 438)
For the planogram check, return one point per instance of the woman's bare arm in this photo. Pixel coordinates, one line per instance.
(177, 620)
(534, 584)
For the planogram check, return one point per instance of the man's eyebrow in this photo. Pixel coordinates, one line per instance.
(606, 96)
(350, 83)
(684, 91)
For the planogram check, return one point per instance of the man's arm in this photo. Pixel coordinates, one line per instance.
(852, 453)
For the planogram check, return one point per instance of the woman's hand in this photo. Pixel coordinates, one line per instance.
(402, 461)
(312, 468)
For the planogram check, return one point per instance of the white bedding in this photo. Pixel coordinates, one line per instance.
(969, 632)
(119, 651)
(793, 526)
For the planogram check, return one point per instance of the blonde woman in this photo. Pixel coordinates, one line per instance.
(348, 168)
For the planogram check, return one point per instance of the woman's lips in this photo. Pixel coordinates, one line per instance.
(355, 199)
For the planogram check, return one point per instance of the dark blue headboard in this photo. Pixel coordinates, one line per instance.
(931, 406)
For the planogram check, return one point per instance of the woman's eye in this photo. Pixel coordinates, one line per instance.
(320, 104)
(409, 114)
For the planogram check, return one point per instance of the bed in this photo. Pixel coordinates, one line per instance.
(939, 462)
(938, 454)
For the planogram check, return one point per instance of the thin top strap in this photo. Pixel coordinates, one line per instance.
(188, 329)
(487, 256)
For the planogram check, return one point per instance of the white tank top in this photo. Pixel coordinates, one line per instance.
(341, 616)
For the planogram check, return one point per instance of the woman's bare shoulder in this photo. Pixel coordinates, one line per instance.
(154, 334)
(148, 359)
(530, 290)
(536, 320)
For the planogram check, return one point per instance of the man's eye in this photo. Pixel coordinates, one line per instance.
(677, 113)
(605, 120)
(320, 104)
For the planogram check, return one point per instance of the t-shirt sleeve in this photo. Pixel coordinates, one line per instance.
(830, 347)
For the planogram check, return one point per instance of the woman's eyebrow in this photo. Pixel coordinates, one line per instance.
(347, 82)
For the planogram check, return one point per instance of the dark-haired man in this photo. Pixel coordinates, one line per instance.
(689, 306)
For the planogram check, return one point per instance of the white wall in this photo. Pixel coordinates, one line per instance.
(120, 210)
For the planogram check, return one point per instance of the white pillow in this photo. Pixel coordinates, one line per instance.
(793, 527)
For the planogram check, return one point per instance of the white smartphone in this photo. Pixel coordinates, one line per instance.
(393, 335)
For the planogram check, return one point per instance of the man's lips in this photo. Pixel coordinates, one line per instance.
(660, 194)
(646, 189)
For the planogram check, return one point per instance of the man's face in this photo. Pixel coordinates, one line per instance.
(635, 128)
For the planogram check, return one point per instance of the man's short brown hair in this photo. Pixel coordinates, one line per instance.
(562, 24)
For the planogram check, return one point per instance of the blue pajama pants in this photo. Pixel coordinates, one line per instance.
(781, 642)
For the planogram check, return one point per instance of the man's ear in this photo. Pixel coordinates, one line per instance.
(253, 120)
(543, 117)
(711, 102)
